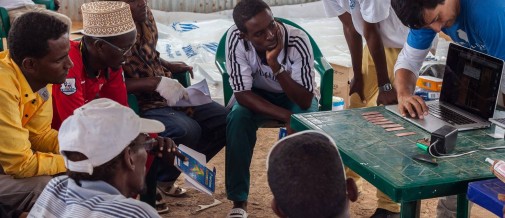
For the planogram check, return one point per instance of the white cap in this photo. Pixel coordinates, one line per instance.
(101, 130)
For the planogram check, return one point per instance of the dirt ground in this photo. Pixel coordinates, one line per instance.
(260, 196)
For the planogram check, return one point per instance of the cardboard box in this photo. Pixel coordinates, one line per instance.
(342, 73)
(341, 77)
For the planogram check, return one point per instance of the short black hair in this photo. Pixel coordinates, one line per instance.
(411, 13)
(245, 10)
(306, 176)
(29, 35)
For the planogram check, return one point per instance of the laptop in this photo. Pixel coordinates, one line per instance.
(498, 121)
(470, 87)
(499, 114)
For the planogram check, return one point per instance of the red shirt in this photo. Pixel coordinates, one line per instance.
(79, 88)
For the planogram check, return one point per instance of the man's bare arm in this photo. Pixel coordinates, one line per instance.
(355, 45)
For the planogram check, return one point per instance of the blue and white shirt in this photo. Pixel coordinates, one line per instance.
(62, 197)
(247, 70)
(480, 26)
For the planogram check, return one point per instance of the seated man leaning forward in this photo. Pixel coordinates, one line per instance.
(105, 147)
(29, 154)
(271, 73)
(309, 159)
(109, 34)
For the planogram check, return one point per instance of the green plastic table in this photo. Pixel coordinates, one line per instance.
(385, 160)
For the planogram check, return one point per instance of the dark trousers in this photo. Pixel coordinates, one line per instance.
(241, 138)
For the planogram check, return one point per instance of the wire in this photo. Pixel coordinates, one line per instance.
(492, 148)
(460, 154)
(452, 155)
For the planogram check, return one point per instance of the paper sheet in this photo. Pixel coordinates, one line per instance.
(199, 94)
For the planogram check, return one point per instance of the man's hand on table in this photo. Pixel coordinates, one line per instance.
(412, 105)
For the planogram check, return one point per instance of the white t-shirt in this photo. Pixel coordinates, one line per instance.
(393, 32)
(335, 8)
(247, 70)
(12, 4)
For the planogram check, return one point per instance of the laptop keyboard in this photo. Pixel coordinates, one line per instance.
(448, 115)
(500, 120)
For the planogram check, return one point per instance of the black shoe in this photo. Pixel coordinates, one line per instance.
(383, 213)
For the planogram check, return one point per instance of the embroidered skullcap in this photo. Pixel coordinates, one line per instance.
(106, 18)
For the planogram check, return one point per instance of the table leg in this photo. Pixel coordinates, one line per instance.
(410, 209)
(462, 210)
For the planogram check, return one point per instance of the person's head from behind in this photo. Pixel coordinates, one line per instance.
(109, 32)
(432, 14)
(138, 9)
(256, 23)
(307, 178)
(39, 45)
(106, 141)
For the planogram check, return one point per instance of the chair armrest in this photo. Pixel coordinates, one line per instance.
(49, 4)
(326, 71)
(183, 78)
(133, 103)
(6, 24)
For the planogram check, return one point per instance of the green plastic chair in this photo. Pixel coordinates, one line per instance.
(6, 24)
(49, 4)
(320, 64)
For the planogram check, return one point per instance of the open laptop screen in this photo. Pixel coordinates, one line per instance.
(471, 81)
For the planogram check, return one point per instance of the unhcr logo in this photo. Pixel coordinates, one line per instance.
(184, 27)
(210, 47)
(189, 51)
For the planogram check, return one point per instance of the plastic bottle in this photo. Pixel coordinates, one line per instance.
(282, 132)
(337, 103)
(498, 168)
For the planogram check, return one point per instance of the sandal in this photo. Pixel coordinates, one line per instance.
(237, 213)
(173, 191)
(161, 207)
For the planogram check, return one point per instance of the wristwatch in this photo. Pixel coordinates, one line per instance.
(279, 71)
(386, 87)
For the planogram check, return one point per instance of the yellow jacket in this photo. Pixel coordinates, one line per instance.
(28, 145)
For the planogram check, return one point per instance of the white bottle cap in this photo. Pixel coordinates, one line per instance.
(489, 160)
